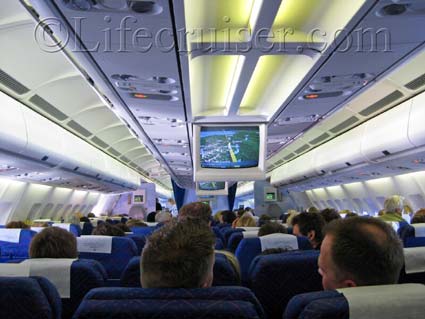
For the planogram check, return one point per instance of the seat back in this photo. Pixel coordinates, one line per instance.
(276, 278)
(139, 240)
(28, 297)
(75, 229)
(378, 302)
(215, 302)
(14, 243)
(414, 266)
(249, 248)
(146, 231)
(113, 253)
(86, 228)
(236, 237)
(224, 273)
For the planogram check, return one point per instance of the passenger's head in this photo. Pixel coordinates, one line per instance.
(227, 217)
(351, 214)
(231, 258)
(292, 214)
(84, 219)
(179, 255)
(17, 224)
(136, 223)
(163, 217)
(312, 209)
(151, 217)
(419, 217)
(271, 228)
(309, 225)
(394, 204)
(53, 242)
(106, 229)
(196, 210)
(360, 251)
(123, 227)
(263, 220)
(246, 221)
(40, 224)
(91, 215)
(329, 214)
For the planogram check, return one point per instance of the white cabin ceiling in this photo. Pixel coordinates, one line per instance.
(308, 89)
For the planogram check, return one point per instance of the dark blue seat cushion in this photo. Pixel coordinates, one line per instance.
(227, 232)
(17, 250)
(215, 302)
(139, 240)
(87, 228)
(318, 305)
(249, 248)
(414, 242)
(28, 297)
(416, 278)
(123, 249)
(234, 240)
(276, 278)
(224, 273)
(146, 231)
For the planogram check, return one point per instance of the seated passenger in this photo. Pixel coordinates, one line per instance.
(91, 215)
(40, 224)
(17, 224)
(106, 229)
(291, 215)
(329, 214)
(393, 207)
(151, 217)
(136, 223)
(123, 227)
(53, 242)
(231, 258)
(179, 255)
(84, 219)
(246, 221)
(271, 228)
(196, 210)
(239, 214)
(360, 251)
(227, 217)
(163, 217)
(264, 219)
(312, 209)
(309, 225)
(419, 217)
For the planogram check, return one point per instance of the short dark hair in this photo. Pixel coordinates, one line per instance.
(271, 228)
(228, 216)
(329, 214)
(177, 255)
(310, 221)
(106, 229)
(196, 210)
(264, 219)
(53, 242)
(366, 248)
(123, 227)
(151, 217)
(17, 224)
(419, 217)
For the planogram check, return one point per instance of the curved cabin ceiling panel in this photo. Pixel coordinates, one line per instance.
(127, 145)
(97, 118)
(114, 134)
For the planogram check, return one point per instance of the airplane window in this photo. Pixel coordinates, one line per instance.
(33, 211)
(46, 210)
(56, 212)
(339, 204)
(381, 201)
(359, 205)
(417, 201)
(83, 208)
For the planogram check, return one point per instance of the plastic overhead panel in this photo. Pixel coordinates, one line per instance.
(416, 131)
(388, 133)
(343, 151)
(13, 132)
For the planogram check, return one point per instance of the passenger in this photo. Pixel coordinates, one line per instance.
(217, 217)
(264, 219)
(419, 217)
(158, 206)
(172, 207)
(231, 258)
(351, 214)
(151, 217)
(196, 210)
(163, 217)
(309, 225)
(329, 214)
(40, 224)
(17, 224)
(246, 221)
(84, 219)
(227, 217)
(272, 251)
(106, 229)
(53, 242)
(91, 215)
(239, 214)
(179, 255)
(123, 227)
(360, 251)
(312, 209)
(136, 223)
(272, 228)
(393, 207)
(291, 215)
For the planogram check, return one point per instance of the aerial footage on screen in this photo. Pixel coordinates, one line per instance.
(211, 186)
(229, 147)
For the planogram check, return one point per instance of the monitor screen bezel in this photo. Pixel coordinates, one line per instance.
(229, 174)
(201, 192)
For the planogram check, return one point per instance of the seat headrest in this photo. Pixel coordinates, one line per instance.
(279, 240)
(419, 229)
(250, 234)
(414, 259)
(62, 225)
(250, 228)
(94, 244)
(386, 301)
(11, 235)
(14, 270)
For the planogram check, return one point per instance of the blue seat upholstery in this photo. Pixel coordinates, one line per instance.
(234, 240)
(276, 278)
(218, 233)
(146, 231)
(249, 248)
(218, 244)
(224, 273)
(405, 230)
(318, 305)
(227, 232)
(28, 297)
(417, 278)
(139, 240)
(17, 250)
(123, 249)
(215, 302)
(87, 228)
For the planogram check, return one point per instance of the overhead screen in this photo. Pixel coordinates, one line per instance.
(229, 152)
(211, 188)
